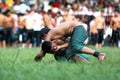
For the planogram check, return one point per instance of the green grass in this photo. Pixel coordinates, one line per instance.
(25, 68)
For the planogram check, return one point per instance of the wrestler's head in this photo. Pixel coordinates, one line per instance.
(49, 46)
(43, 32)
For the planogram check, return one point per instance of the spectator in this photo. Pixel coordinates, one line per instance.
(101, 29)
(115, 25)
(29, 22)
(21, 30)
(2, 31)
(48, 20)
(67, 16)
(38, 25)
(8, 23)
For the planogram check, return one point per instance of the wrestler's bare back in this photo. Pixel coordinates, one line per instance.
(62, 31)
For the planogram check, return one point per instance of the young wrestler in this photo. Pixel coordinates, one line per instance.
(21, 30)
(75, 46)
(29, 22)
(101, 29)
(60, 55)
(2, 32)
(10, 28)
(115, 25)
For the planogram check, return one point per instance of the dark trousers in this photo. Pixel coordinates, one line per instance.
(37, 38)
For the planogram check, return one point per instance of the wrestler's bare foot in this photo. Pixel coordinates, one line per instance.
(80, 59)
(101, 56)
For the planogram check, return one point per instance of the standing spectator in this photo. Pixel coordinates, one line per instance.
(93, 31)
(9, 27)
(2, 32)
(115, 25)
(48, 20)
(29, 28)
(14, 36)
(101, 29)
(38, 25)
(21, 30)
(67, 16)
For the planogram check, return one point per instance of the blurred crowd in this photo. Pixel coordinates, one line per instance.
(21, 22)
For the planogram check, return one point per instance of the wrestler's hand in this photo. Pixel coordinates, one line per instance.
(57, 48)
(38, 58)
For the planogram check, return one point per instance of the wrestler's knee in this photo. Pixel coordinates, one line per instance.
(77, 48)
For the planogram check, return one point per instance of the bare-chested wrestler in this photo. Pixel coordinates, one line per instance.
(60, 55)
(115, 25)
(101, 29)
(68, 17)
(78, 35)
(21, 30)
(9, 27)
(93, 31)
(48, 20)
(2, 32)
(29, 22)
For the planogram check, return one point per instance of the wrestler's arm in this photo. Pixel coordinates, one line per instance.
(62, 46)
(39, 56)
(49, 35)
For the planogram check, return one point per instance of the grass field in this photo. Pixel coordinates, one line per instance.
(25, 68)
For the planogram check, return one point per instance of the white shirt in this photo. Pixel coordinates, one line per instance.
(37, 18)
